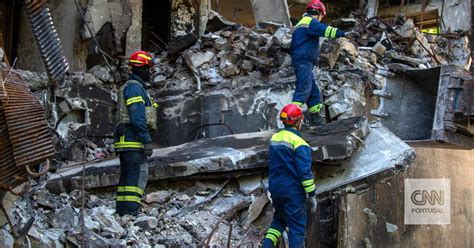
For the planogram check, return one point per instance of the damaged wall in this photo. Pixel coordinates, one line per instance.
(385, 202)
(68, 25)
(454, 13)
(110, 20)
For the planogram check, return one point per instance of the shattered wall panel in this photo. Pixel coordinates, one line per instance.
(250, 111)
(456, 15)
(118, 13)
(272, 11)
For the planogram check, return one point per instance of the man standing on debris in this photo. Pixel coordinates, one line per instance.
(305, 55)
(136, 118)
(291, 181)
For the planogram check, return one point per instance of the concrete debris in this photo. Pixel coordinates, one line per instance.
(337, 109)
(146, 222)
(371, 216)
(6, 239)
(197, 59)
(230, 154)
(159, 197)
(391, 228)
(407, 29)
(151, 228)
(282, 38)
(247, 73)
(249, 185)
(64, 219)
(224, 205)
(232, 80)
(256, 208)
(105, 217)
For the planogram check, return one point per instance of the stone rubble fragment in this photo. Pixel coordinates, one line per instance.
(159, 197)
(6, 239)
(105, 217)
(249, 185)
(391, 228)
(146, 222)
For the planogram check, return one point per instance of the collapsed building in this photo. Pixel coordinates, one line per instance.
(224, 72)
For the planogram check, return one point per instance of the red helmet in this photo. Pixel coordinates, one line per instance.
(291, 114)
(140, 58)
(316, 5)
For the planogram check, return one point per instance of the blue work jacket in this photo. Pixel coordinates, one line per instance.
(305, 40)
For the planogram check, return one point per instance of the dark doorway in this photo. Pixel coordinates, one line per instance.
(156, 24)
(105, 38)
(9, 22)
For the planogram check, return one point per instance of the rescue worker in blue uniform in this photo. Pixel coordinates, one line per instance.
(136, 119)
(291, 180)
(305, 55)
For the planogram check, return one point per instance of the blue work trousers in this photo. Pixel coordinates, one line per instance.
(132, 182)
(307, 91)
(290, 211)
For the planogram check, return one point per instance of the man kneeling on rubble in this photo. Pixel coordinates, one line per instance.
(305, 55)
(291, 181)
(136, 118)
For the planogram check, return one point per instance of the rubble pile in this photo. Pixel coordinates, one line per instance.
(250, 70)
(174, 215)
(255, 58)
(245, 65)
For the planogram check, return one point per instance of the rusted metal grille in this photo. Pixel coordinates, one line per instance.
(25, 139)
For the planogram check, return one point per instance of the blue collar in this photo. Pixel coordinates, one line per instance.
(137, 78)
(293, 131)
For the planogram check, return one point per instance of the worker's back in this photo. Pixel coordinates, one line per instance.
(286, 149)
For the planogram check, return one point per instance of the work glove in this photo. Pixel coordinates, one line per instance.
(352, 35)
(312, 203)
(148, 149)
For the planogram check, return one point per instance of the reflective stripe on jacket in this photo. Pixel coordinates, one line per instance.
(290, 163)
(305, 40)
(133, 135)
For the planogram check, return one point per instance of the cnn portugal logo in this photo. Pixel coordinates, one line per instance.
(427, 201)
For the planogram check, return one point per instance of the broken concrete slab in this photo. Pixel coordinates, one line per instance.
(217, 22)
(256, 208)
(105, 217)
(225, 156)
(197, 59)
(226, 204)
(93, 239)
(250, 184)
(382, 155)
(271, 10)
(337, 141)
